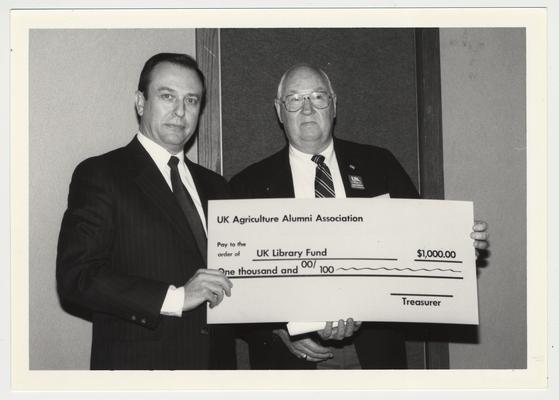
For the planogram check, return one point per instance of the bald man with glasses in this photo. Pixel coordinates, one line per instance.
(314, 164)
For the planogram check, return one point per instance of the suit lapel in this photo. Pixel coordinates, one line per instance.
(153, 185)
(280, 183)
(352, 174)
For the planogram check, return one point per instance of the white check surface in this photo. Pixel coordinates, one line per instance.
(374, 260)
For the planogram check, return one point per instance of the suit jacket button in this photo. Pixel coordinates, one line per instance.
(143, 321)
(133, 318)
(204, 331)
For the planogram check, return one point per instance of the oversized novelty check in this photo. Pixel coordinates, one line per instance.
(330, 259)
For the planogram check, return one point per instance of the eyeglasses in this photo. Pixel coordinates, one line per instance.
(294, 102)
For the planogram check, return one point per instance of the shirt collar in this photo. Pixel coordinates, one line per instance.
(328, 153)
(159, 154)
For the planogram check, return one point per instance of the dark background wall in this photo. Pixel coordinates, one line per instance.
(374, 75)
(372, 71)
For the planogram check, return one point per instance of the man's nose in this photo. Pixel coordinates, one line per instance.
(179, 109)
(307, 106)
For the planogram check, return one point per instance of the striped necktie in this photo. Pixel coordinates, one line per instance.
(188, 208)
(323, 184)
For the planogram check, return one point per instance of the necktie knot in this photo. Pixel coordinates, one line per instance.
(173, 161)
(318, 159)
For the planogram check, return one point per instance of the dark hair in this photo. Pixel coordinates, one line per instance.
(183, 60)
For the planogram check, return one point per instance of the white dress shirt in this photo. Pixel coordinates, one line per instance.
(174, 299)
(303, 170)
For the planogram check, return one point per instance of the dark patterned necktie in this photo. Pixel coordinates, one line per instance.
(323, 184)
(188, 208)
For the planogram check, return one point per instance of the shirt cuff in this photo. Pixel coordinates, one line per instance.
(174, 301)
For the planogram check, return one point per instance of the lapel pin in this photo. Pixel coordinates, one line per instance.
(356, 182)
(351, 166)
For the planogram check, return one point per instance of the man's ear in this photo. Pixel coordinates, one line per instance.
(277, 104)
(335, 103)
(140, 101)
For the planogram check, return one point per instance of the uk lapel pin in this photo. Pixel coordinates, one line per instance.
(356, 182)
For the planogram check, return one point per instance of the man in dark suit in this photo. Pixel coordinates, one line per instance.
(132, 246)
(314, 164)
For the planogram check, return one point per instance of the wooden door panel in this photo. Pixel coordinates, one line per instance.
(372, 71)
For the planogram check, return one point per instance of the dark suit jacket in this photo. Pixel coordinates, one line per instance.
(378, 345)
(123, 241)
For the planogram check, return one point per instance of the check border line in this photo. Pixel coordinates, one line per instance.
(345, 275)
